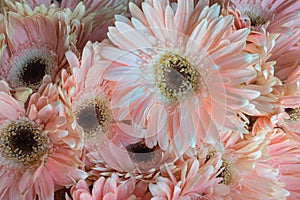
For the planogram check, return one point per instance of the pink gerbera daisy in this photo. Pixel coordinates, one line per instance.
(264, 81)
(38, 151)
(128, 157)
(88, 97)
(289, 117)
(194, 177)
(275, 16)
(104, 188)
(284, 154)
(244, 169)
(34, 47)
(286, 54)
(172, 72)
(88, 18)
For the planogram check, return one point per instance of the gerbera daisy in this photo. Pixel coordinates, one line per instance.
(172, 72)
(104, 188)
(191, 178)
(35, 47)
(245, 172)
(89, 19)
(35, 156)
(284, 154)
(289, 117)
(275, 16)
(129, 158)
(286, 54)
(264, 81)
(87, 97)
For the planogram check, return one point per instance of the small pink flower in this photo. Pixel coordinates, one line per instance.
(130, 157)
(112, 188)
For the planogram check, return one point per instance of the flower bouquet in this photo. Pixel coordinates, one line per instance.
(153, 99)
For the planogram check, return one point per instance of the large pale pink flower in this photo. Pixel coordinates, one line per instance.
(284, 153)
(38, 150)
(111, 188)
(35, 46)
(175, 74)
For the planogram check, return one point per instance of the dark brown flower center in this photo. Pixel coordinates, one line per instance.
(23, 142)
(33, 72)
(139, 152)
(29, 66)
(294, 114)
(176, 76)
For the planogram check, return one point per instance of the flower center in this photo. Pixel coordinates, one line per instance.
(145, 157)
(29, 66)
(33, 72)
(226, 169)
(294, 114)
(225, 173)
(256, 20)
(94, 117)
(23, 142)
(139, 152)
(175, 76)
